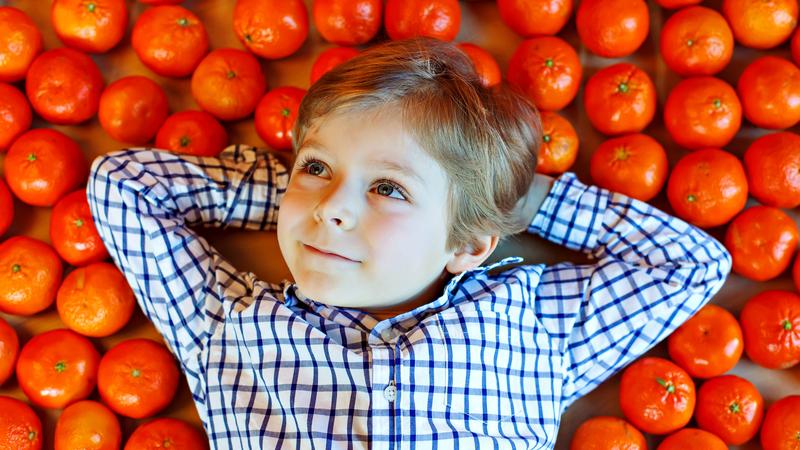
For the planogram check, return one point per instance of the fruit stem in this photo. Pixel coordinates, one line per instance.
(668, 386)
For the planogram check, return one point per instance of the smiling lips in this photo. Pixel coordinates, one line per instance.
(327, 254)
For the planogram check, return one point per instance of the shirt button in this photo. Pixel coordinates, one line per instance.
(390, 391)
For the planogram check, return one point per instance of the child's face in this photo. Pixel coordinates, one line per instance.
(344, 202)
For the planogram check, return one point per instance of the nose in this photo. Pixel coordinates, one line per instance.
(337, 206)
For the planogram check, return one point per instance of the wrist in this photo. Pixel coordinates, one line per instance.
(537, 192)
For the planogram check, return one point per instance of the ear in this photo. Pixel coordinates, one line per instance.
(468, 257)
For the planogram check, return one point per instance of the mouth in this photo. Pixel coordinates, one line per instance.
(333, 256)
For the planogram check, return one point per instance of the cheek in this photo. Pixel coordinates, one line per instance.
(295, 203)
(404, 240)
(290, 215)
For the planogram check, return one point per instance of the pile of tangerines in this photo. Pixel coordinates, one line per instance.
(708, 187)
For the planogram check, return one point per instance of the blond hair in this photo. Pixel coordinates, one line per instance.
(486, 140)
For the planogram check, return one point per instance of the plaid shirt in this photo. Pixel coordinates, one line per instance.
(491, 363)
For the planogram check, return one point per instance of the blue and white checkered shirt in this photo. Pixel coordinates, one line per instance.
(491, 363)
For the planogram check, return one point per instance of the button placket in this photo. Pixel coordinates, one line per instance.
(390, 392)
(381, 377)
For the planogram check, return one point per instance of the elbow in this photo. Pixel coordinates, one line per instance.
(99, 167)
(104, 167)
(99, 173)
(103, 164)
(104, 178)
(727, 263)
(723, 259)
(712, 253)
(97, 187)
(709, 263)
(718, 266)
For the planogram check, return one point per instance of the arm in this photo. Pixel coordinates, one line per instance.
(529, 205)
(653, 272)
(142, 202)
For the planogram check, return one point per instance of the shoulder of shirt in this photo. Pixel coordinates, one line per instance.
(492, 271)
(504, 265)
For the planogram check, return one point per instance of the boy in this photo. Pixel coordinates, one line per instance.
(407, 175)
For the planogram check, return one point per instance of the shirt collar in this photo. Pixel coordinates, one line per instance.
(292, 296)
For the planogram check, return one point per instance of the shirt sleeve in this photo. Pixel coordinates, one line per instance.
(653, 272)
(143, 201)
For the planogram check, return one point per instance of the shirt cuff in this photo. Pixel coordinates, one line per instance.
(571, 214)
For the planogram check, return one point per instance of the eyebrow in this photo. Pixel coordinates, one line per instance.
(382, 163)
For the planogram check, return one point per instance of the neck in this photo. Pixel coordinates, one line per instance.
(431, 292)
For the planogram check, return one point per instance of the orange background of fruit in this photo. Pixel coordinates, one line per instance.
(481, 25)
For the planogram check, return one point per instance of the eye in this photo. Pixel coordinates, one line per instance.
(314, 168)
(388, 188)
(310, 166)
(384, 187)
